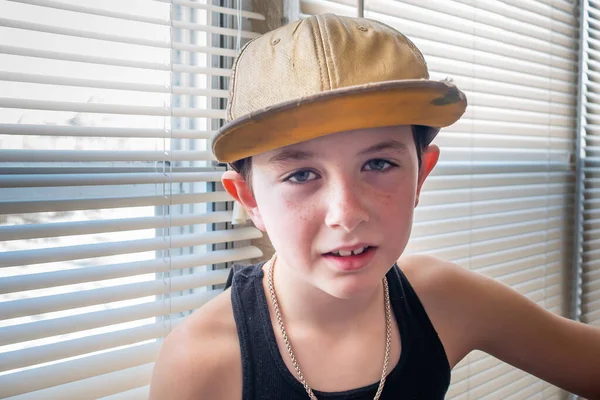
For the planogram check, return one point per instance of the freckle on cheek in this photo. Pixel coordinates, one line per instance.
(387, 199)
(291, 208)
(294, 209)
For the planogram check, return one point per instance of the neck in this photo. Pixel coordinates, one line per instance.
(308, 307)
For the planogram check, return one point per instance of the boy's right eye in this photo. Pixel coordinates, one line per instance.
(300, 177)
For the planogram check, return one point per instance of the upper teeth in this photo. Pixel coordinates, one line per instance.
(346, 253)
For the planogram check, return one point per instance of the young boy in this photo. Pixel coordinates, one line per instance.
(331, 120)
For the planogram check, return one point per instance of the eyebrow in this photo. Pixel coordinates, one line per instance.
(300, 155)
(292, 155)
(387, 145)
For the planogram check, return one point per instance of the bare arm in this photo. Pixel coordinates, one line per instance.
(200, 359)
(514, 329)
(471, 311)
(518, 331)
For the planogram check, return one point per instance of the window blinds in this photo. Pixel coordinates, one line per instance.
(113, 224)
(500, 201)
(590, 301)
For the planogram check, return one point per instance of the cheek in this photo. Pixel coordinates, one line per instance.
(289, 217)
(393, 190)
(298, 203)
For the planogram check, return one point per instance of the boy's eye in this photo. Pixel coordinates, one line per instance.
(301, 176)
(378, 165)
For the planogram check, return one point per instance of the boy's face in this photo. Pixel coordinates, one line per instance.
(341, 191)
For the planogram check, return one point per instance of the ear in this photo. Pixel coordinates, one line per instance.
(238, 188)
(429, 159)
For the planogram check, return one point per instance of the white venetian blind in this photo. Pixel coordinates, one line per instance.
(113, 224)
(590, 301)
(500, 201)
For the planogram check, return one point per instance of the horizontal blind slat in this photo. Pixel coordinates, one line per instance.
(557, 16)
(561, 73)
(32, 156)
(509, 129)
(448, 182)
(517, 90)
(18, 207)
(97, 386)
(222, 10)
(516, 103)
(77, 252)
(109, 108)
(495, 228)
(503, 80)
(421, 228)
(89, 344)
(518, 265)
(122, 270)
(506, 255)
(57, 180)
(495, 114)
(530, 143)
(96, 319)
(104, 84)
(495, 167)
(496, 36)
(53, 229)
(490, 194)
(73, 370)
(489, 240)
(137, 18)
(434, 211)
(526, 23)
(31, 26)
(85, 298)
(104, 132)
(461, 254)
(83, 58)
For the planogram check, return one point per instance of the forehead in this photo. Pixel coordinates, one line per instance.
(397, 138)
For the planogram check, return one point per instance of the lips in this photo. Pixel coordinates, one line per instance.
(352, 252)
(351, 258)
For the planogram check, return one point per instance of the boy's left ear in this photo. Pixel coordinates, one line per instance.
(429, 159)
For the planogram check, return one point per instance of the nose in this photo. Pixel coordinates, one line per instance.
(346, 208)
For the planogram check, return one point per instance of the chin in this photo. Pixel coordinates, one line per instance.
(350, 286)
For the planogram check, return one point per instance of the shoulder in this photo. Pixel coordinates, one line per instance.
(444, 290)
(432, 277)
(460, 301)
(476, 303)
(201, 357)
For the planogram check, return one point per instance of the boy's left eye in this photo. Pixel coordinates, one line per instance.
(378, 165)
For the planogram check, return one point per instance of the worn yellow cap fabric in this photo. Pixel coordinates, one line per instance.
(326, 74)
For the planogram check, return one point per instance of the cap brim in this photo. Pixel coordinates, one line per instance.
(408, 102)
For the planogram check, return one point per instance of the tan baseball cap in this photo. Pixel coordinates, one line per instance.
(326, 74)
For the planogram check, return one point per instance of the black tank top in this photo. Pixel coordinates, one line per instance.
(422, 372)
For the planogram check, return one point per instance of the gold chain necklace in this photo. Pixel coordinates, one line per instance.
(388, 333)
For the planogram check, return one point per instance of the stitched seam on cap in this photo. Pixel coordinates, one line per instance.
(324, 54)
(314, 37)
(232, 80)
(331, 58)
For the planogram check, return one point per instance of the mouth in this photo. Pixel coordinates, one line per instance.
(351, 259)
(350, 252)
